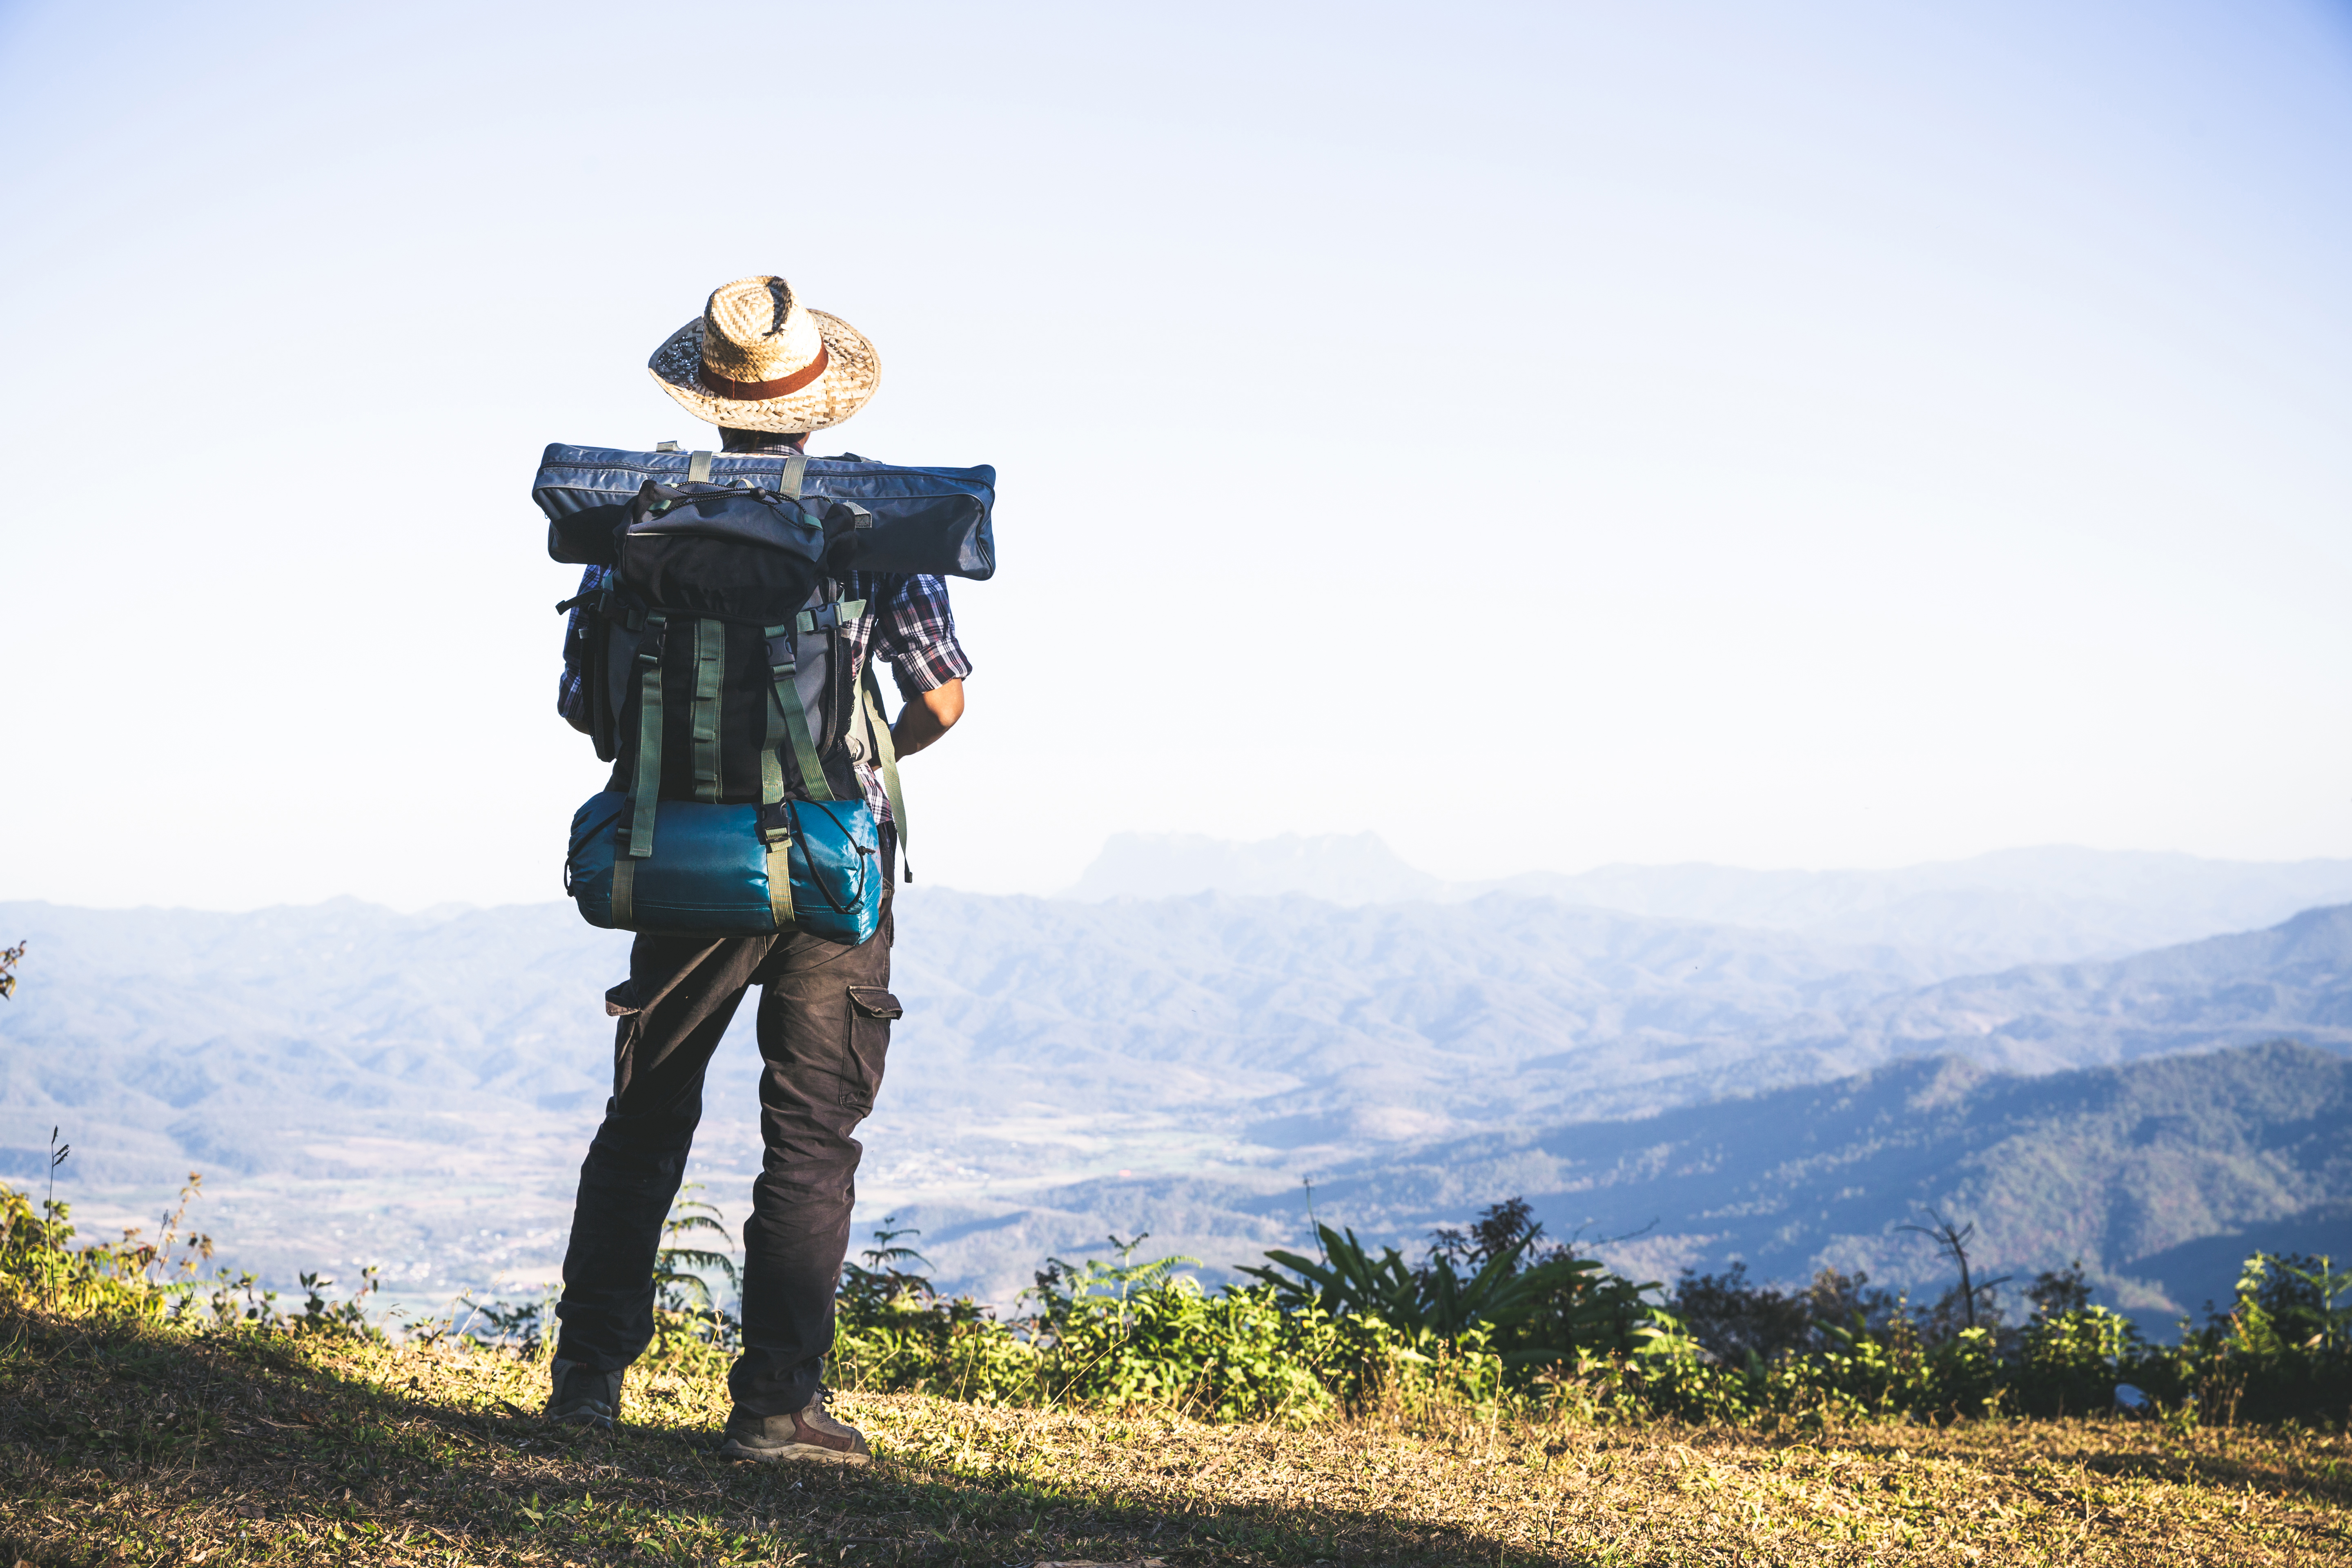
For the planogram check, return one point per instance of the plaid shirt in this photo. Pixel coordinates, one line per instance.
(907, 620)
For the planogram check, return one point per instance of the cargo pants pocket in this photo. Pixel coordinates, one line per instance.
(871, 1009)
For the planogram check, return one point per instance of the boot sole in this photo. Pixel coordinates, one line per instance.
(790, 1453)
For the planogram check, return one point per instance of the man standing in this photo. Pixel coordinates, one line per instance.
(767, 371)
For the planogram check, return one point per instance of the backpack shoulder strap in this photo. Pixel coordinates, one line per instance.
(709, 662)
(787, 712)
(636, 835)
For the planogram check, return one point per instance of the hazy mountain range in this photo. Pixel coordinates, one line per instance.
(362, 1084)
(2160, 1176)
(2015, 906)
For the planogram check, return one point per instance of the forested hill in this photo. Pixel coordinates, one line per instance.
(2160, 1174)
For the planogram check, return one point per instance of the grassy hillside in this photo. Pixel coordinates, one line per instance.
(132, 1442)
(153, 1413)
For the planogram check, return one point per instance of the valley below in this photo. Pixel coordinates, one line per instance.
(358, 1086)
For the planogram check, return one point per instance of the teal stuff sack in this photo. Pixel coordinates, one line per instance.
(711, 873)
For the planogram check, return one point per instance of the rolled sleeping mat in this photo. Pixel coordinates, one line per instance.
(916, 520)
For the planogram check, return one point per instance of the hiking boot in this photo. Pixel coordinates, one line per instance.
(809, 1433)
(583, 1397)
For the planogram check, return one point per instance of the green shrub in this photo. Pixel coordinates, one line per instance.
(1123, 1331)
(2281, 1350)
(1510, 1327)
(44, 1266)
(2072, 1360)
(1485, 1326)
(1536, 1309)
(41, 1266)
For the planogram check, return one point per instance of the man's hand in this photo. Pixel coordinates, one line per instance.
(927, 716)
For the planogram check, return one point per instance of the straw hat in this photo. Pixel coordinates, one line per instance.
(758, 359)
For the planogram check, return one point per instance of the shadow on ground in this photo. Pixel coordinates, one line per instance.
(123, 1443)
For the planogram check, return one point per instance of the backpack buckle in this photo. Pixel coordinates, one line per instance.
(776, 822)
(781, 655)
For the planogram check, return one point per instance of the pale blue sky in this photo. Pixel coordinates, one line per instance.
(1795, 434)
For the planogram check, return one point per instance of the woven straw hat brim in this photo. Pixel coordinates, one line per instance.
(852, 372)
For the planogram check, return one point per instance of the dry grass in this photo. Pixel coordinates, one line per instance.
(134, 1445)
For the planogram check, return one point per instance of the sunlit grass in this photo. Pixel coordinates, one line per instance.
(139, 1443)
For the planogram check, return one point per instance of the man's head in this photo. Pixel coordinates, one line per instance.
(758, 359)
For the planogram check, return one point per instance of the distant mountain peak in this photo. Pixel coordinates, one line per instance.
(1339, 868)
(2048, 904)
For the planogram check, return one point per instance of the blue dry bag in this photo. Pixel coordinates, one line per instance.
(731, 870)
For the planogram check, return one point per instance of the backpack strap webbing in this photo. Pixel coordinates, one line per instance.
(783, 666)
(830, 618)
(624, 890)
(710, 663)
(635, 838)
(775, 818)
(885, 750)
(778, 836)
(788, 482)
(644, 789)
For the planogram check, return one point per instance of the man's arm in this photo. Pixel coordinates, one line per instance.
(916, 636)
(926, 716)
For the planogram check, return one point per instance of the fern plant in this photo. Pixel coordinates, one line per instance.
(1062, 1287)
(682, 1269)
(1572, 1295)
(887, 1282)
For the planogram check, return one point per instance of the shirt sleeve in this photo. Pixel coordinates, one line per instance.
(916, 635)
(572, 690)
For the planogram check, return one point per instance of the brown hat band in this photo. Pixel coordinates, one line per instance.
(755, 390)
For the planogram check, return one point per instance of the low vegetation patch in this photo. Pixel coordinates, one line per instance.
(1349, 1408)
(1496, 1317)
(135, 1441)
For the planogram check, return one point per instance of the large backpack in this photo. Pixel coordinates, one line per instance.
(710, 641)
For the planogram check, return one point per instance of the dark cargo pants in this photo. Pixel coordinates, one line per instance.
(824, 1027)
